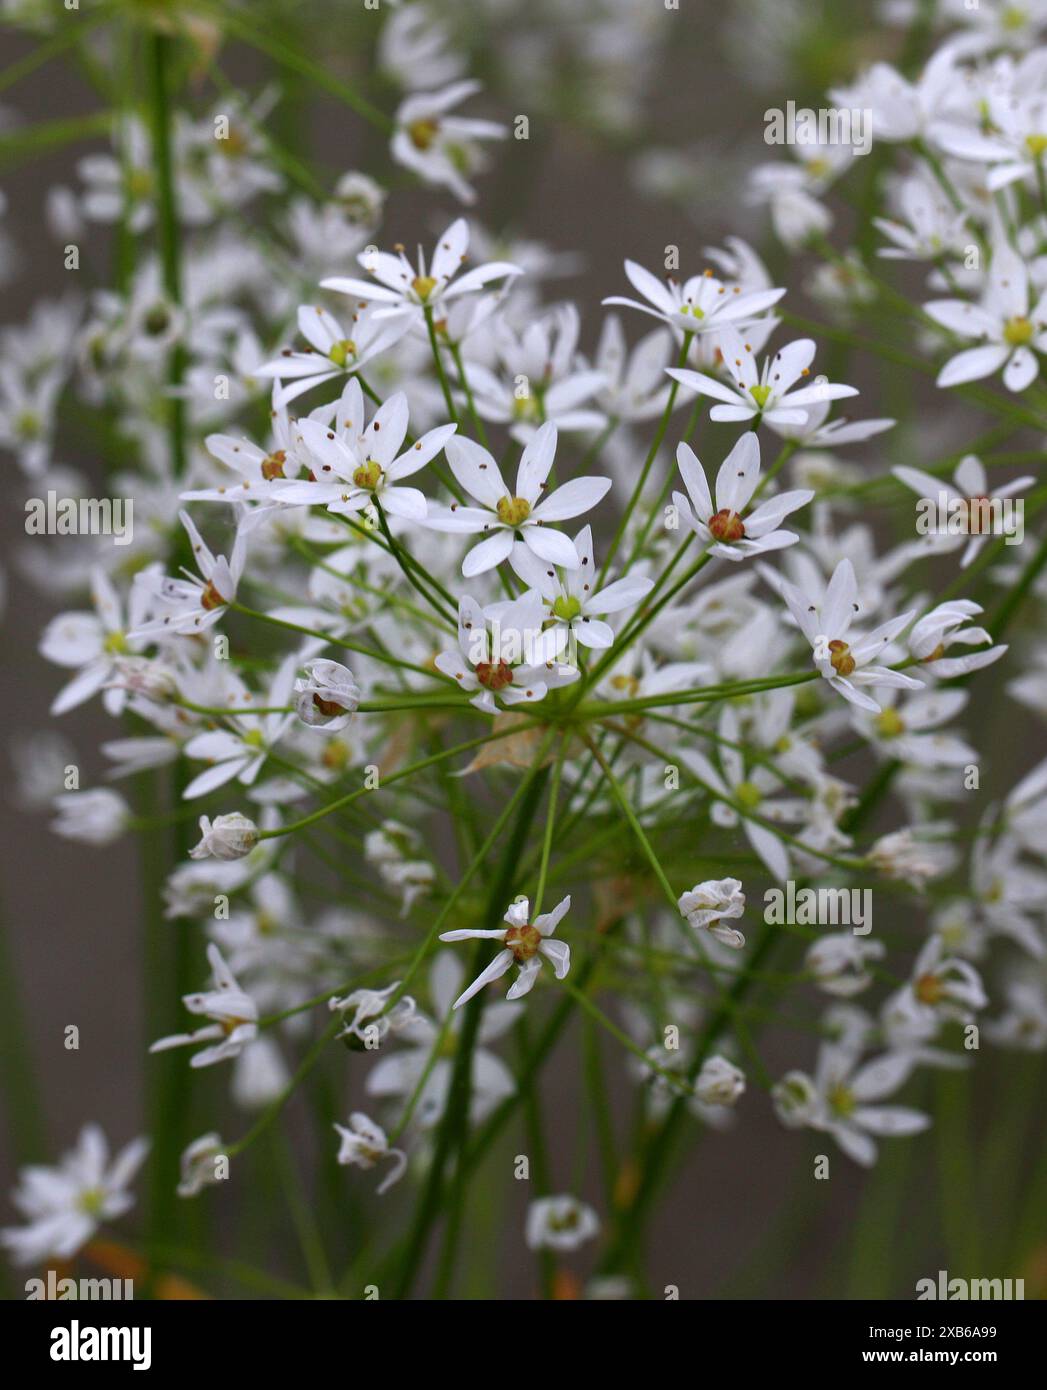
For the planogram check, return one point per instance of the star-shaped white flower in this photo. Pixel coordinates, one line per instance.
(403, 291)
(702, 304)
(351, 473)
(522, 514)
(1007, 327)
(725, 526)
(844, 659)
(767, 393)
(523, 944)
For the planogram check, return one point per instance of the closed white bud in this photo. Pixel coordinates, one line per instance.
(227, 837)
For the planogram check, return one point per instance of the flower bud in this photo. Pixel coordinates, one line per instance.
(327, 696)
(227, 837)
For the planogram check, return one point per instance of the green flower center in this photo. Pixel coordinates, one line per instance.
(842, 1099)
(115, 643)
(748, 794)
(889, 723)
(423, 286)
(513, 511)
(369, 475)
(342, 351)
(566, 607)
(92, 1201)
(760, 394)
(423, 133)
(1018, 331)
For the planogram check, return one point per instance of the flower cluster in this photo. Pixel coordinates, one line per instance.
(448, 601)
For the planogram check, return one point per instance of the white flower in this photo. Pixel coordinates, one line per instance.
(905, 855)
(945, 626)
(941, 987)
(371, 1020)
(708, 903)
(394, 850)
(227, 837)
(730, 531)
(792, 195)
(327, 696)
(839, 962)
(94, 643)
(570, 602)
(235, 1016)
(634, 382)
(197, 603)
(795, 1100)
(523, 515)
(842, 658)
(542, 377)
(515, 661)
(846, 1094)
(741, 793)
(415, 49)
(930, 227)
(240, 750)
(403, 292)
(818, 432)
(65, 1205)
(332, 350)
(364, 1144)
(767, 394)
(350, 475)
(897, 109)
(407, 1068)
(968, 498)
(719, 1082)
(911, 730)
(702, 304)
(524, 944)
(560, 1223)
(261, 471)
(1004, 322)
(94, 817)
(198, 1164)
(1011, 126)
(439, 148)
(1024, 1022)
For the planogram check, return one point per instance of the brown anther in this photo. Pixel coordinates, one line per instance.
(523, 942)
(842, 661)
(727, 526)
(494, 675)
